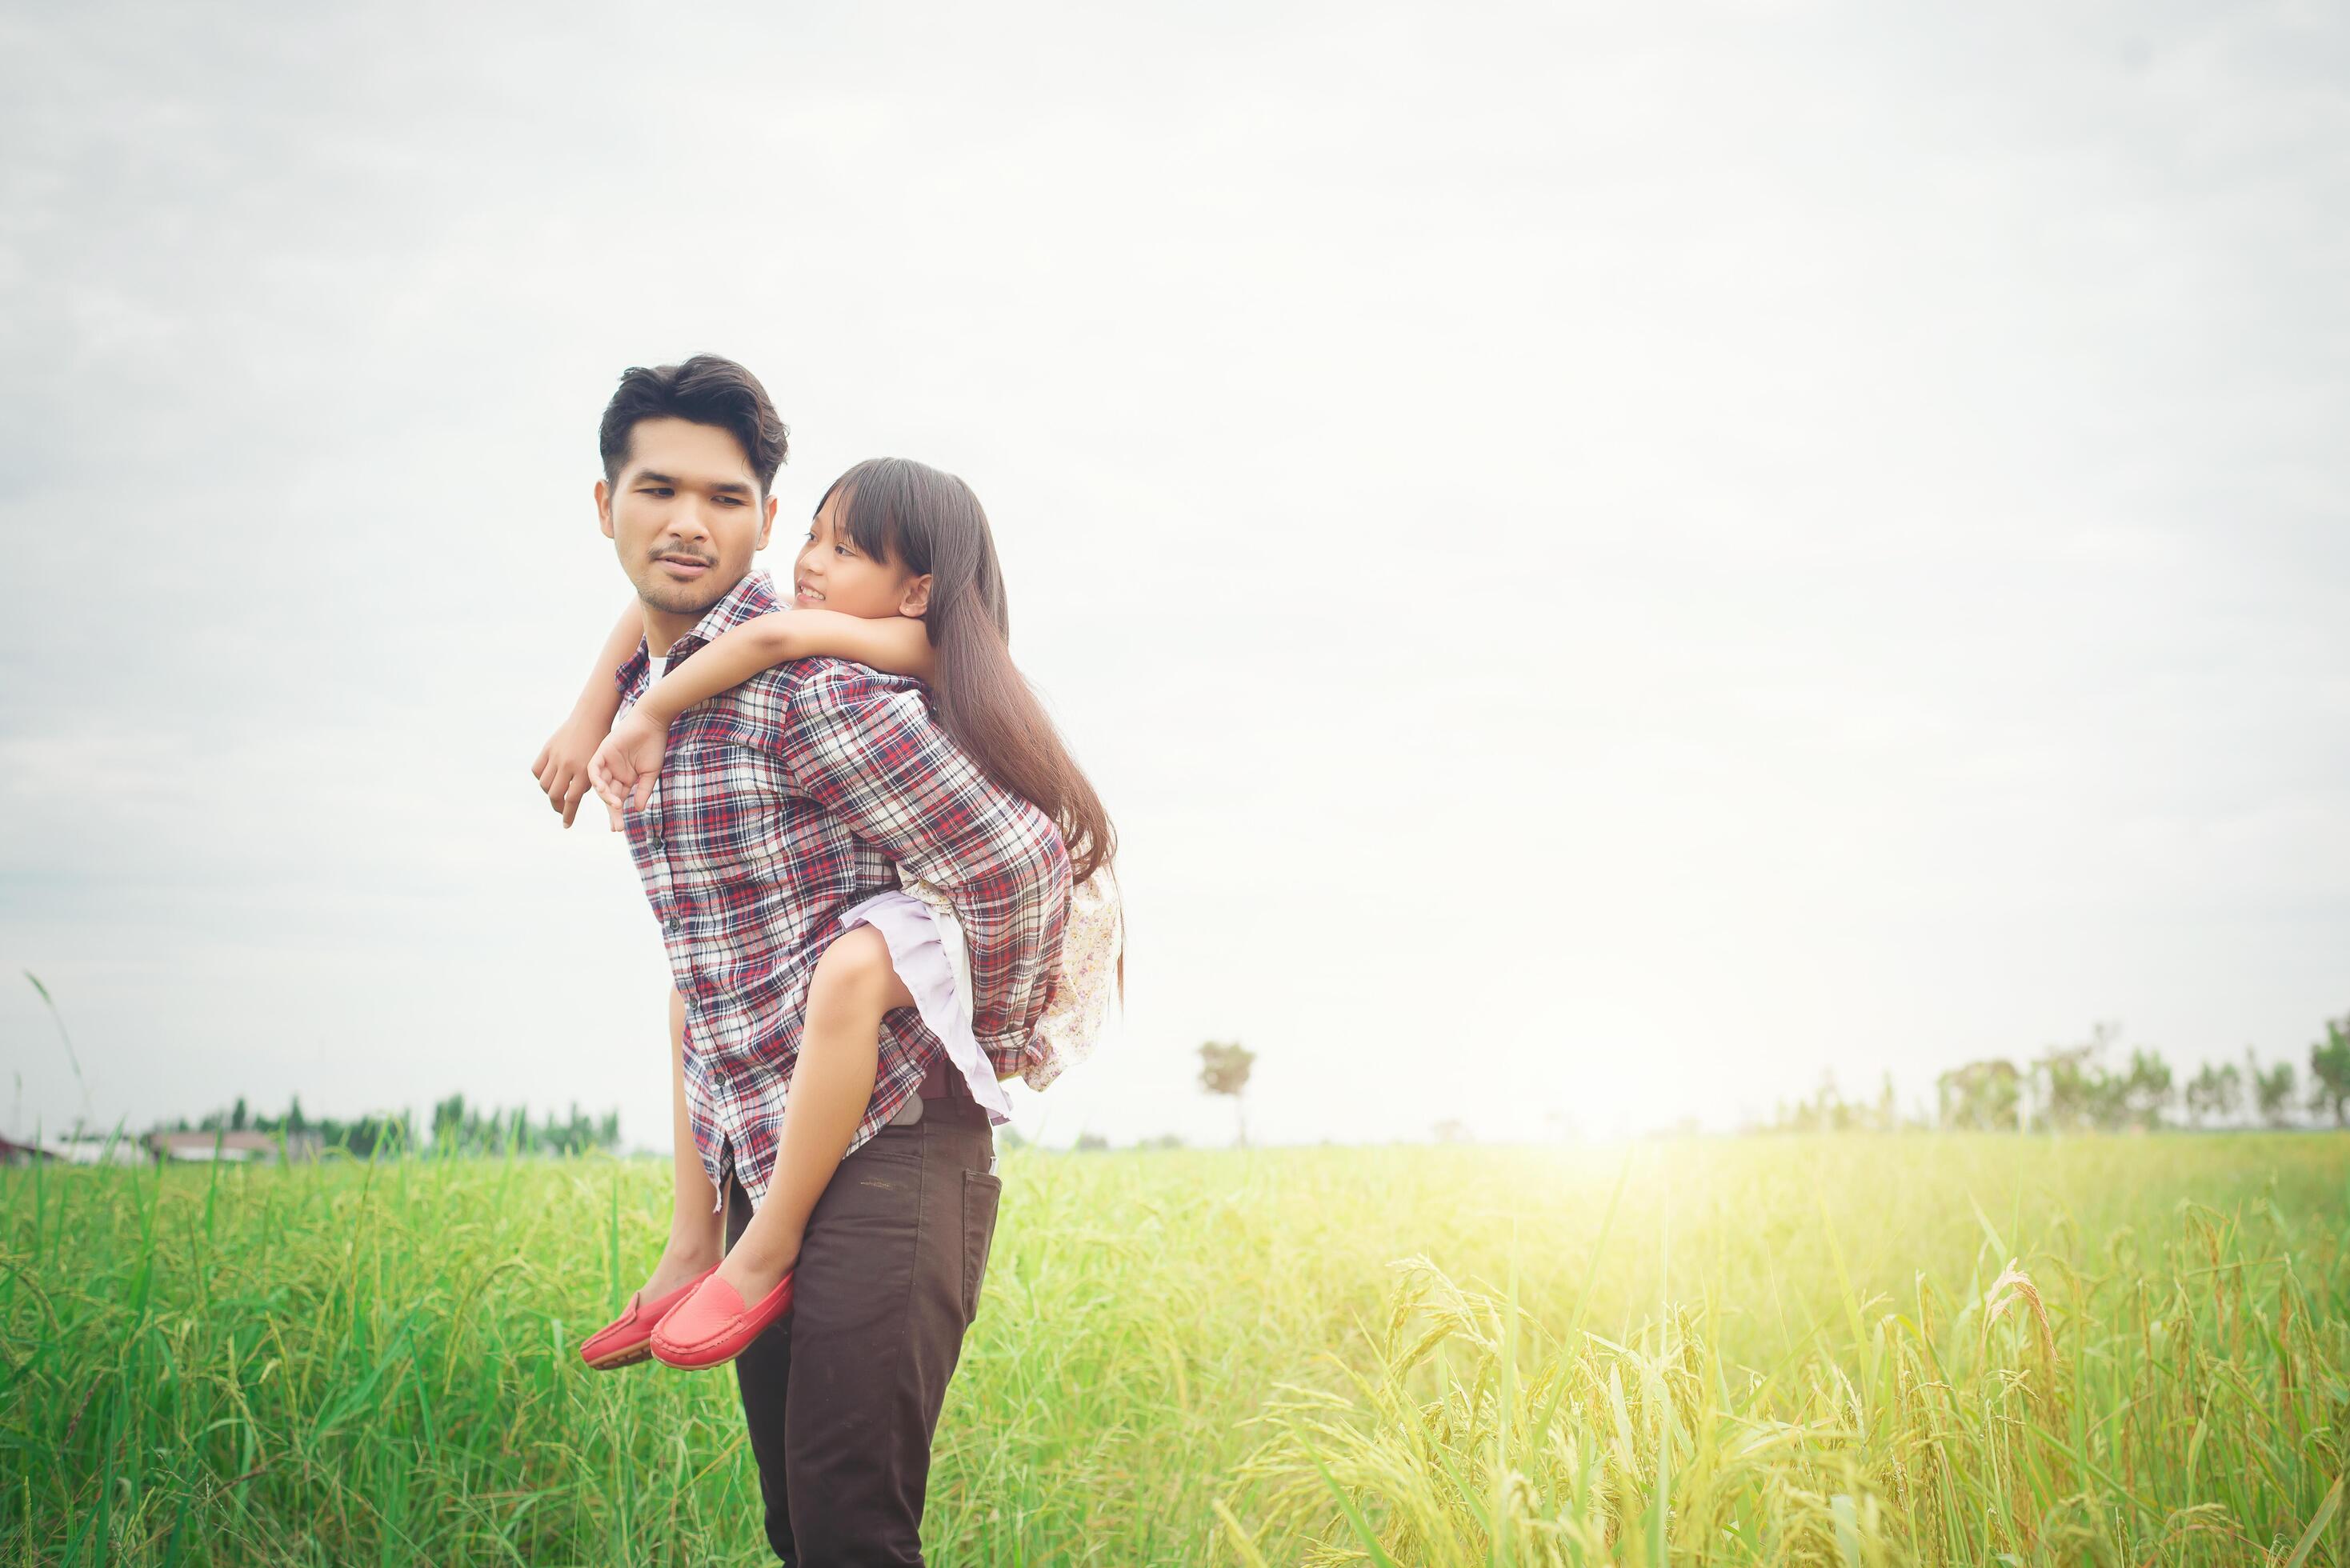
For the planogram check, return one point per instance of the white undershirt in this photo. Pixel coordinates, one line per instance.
(659, 665)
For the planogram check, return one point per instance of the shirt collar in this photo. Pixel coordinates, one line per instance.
(749, 599)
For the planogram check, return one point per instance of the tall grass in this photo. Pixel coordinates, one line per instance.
(1772, 1351)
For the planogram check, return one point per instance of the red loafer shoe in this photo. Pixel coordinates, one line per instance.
(628, 1338)
(716, 1325)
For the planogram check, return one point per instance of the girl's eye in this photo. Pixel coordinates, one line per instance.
(840, 549)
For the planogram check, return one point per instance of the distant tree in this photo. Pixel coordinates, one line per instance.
(1224, 1070)
(293, 1123)
(2214, 1091)
(576, 1133)
(2229, 1101)
(2329, 1070)
(2272, 1092)
(237, 1115)
(2109, 1100)
(1825, 1111)
(1451, 1130)
(449, 1124)
(1092, 1143)
(2146, 1092)
(2066, 1078)
(1981, 1097)
(1829, 1113)
(375, 1136)
(2075, 1091)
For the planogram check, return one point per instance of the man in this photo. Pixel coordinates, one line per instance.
(780, 803)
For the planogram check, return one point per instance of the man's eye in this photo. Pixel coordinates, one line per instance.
(656, 490)
(732, 500)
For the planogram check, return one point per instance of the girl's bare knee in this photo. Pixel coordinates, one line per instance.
(857, 959)
(853, 976)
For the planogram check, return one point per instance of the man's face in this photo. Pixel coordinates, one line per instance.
(685, 514)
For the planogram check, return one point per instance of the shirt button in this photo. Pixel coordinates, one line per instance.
(672, 925)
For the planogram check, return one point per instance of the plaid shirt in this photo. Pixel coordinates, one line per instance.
(780, 803)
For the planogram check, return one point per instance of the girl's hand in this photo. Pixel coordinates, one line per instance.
(625, 766)
(562, 768)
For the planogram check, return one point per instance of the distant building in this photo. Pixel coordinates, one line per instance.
(72, 1150)
(257, 1146)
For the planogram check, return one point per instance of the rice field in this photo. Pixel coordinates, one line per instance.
(1858, 1350)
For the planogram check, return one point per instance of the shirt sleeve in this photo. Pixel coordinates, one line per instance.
(868, 752)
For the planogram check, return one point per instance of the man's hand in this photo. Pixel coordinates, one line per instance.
(561, 769)
(624, 767)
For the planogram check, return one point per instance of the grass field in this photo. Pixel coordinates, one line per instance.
(1737, 1351)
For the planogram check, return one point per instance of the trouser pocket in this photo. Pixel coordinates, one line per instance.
(980, 1193)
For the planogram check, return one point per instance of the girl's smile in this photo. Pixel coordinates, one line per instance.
(834, 572)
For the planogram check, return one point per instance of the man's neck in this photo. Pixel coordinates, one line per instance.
(663, 628)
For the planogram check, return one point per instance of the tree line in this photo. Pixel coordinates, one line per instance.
(457, 1129)
(2087, 1086)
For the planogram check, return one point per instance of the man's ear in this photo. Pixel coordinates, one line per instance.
(917, 600)
(767, 523)
(604, 508)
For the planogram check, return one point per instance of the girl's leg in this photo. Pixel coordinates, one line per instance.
(832, 1083)
(694, 1227)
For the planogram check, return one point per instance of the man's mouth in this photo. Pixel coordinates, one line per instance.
(684, 566)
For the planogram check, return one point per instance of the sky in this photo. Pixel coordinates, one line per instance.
(1605, 561)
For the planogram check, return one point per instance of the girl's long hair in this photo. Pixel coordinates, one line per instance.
(897, 509)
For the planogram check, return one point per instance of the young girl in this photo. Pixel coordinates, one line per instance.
(898, 571)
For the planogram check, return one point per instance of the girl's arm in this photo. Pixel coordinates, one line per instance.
(561, 768)
(622, 769)
(896, 645)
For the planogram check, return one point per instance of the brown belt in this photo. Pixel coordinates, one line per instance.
(933, 1085)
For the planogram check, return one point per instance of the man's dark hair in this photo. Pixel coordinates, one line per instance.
(704, 390)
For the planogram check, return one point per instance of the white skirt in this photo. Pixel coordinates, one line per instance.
(926, 949)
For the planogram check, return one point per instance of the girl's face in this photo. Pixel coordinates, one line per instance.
(832, 573)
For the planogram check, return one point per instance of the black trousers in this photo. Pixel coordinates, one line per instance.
(842, 1395)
